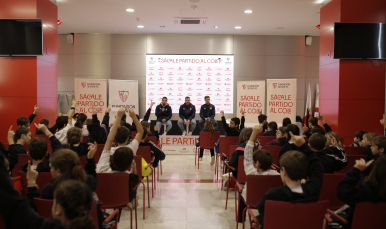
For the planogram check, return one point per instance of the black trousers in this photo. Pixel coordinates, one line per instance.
(202, 152)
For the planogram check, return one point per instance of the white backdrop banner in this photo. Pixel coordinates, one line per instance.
(178, 76)
(281, 101)
(122, 93)
(90, 92)
(250, 99)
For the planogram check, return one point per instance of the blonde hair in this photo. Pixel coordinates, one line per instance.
(335, 135)
(74, 136)
(369, 137)
(245, 134)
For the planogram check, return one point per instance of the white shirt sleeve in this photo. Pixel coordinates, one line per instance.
(248, 159)
(134, 146)
(104, 162)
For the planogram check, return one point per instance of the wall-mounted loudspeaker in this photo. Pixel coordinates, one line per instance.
(308, 40)
(70, 39)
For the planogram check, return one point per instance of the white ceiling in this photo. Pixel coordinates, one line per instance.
(298, 17)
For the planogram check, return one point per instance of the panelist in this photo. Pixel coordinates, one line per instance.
(187, 114)
(208, 111)
(164, 114)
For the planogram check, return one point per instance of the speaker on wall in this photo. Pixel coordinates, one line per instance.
(70, 38)
(308, 40)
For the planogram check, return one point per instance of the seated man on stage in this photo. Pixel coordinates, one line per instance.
(187, 114)
(208, 111)
(164, 114)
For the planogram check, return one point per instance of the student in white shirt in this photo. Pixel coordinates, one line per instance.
(122, 159)
(64, 124)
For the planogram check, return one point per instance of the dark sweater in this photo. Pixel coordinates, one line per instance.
(367, 151)
(326, 127)
(12, 156)
(368, 170)
(145, 118)
(207, 111)
(234, 161)
(232, 131)
(333, 159)
(351, 191)
(16, 148)
(15, 209)
(97, 133)
(166, 114)
(187, 112)
(269, 133)
(159, 154)
(311, 189)
(285, 148)
(277, 142)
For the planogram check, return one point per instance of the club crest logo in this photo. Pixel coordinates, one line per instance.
(84, 84)
(123, 95)
(274, 85)
(244, 86)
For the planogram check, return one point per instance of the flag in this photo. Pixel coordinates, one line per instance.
(308, 111)
(316, 114)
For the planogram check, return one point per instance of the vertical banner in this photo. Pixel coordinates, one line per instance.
(122, 93)
(250, 99)
(281, 101)
(90, 92)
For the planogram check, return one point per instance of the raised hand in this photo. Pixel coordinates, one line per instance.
(260, 111)
(242, 112)
(297, 140)
(94, 110)
(73, 103)
(152, 103)
(383, 121)
(60, 114)
(36, 108)
(121, 111)
(362, 165)
(32, 175)
(258, 129)
(11, 133)
(222, 113)
(92, 150)
(108, 108)
(41, 127)
(305, 128)
(132, 114)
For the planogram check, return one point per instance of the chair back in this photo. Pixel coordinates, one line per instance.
(351, 162)
(138, 163)
(133, 133)
(225, 142)
(44, 207)
(275, 151)
(352, 150)
(369, 215)
(17, 183)
(113, 189)
(25, 146)
(145, 153)
(207, 141)
(152, 139)
(341, 139)
(328, 192)
(6, 145)
(98, 153)
(43, 179)
(232, 149)
(83, 160)
(241, 176)
(23, 159)
(258, 185)
(299, 215)
(265, 139)
(84, 138)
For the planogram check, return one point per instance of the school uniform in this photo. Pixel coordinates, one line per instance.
(21, 215)
(327, 128)
(368, 170)
(269, 133)
(234, 161)
(285, 148)
(332, 158)
(16, 148)
(12, 156)
(277, 142)
(305, 193)
(356, 144)
(98, 133)
(367, 151)
(207, 111)
(61, 135)
(145, 118)
(232, 131)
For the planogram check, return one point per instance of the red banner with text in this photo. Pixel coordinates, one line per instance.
(250, 99)
(281, 100)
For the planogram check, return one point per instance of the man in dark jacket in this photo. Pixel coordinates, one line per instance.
(187, 114)
(164, 114)
(208, 111)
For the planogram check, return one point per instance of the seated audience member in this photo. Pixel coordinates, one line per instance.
(81, 122)
(368, 142)
(333, 135)
(207, 111)
(72, 203)
(263, 120)
(64, 124)
(75, 117)
(12, 158)
(22, 136)
(123, 157)
(272, 129)
(208, 127)
(313, 122)
(289, 145)
(97, 133)
(358, 137)
(164, 113)
(26, 122)
(46, 122)
(332, 157)
(146, 125)
(286, 122)
(377, 150)
(233, 128)
(294, 166)
(125, 124)
(187, 114)
(157, 153)
(281, 137)
(145, 118)
(352, 189)
(74, 141)
(37, 150)
(256, 162)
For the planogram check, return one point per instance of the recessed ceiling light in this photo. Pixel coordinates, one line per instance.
(130, 10)
(238, 27)
(248, 11)
(216, 27)
(140, 26)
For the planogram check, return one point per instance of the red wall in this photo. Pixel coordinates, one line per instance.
(352, 92)
(29, 81)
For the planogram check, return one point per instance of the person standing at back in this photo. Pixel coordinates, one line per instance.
(208, 111)
(187, 114)
(164, 113)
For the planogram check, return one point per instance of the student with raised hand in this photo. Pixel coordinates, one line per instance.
(289, 145)
(313, 122)
(11, 156)
(272, 129)
(72, 204)
(46, 122)
(233, 129)
(351, 190)
(81, 122)
(96, 132)
(24, 122)
(294, 166)
(64, 124)
(22, 136)
(263, 120)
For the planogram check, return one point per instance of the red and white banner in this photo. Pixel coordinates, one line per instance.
(281, 100)
(308, 110)
(250, 99)
(316, 114)
(178, 144)
(90, 92)
(196, 76)
(122, 93)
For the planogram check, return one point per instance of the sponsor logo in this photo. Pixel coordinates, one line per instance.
(274, 85)
(199, 74)
(227, 74)
(226, 104)
(123, 95)
(170, 78)
(208, 89)
(250, 87)
(218, 94)
(227, 100)
(199, 89)
(151, 79)
(150, 94)
(228, 59)
(180, 83)
(218, 89)
(227, 69)
(209, 79)
(179, 69)
(151, 58)
(189, 89)
(228, 89)
(170, 83)
(199, 99)
(170, 94)
(90, 85)
(180, 89)
(170, 74)
(198, 83)
(170, 89)
(281, 85)
(180, 79)
(180, 74)
(161, 79)
(151, 88)
(83, 84)
(227, 79)
(218, 109)
(161, 73)
(171, 68)
(150, 83)
(218, 79)
(160, 89)
(151, 68)
(199, 94)
(227, 95)
(189, 74)
(190, 94)
(208, 83)
(161, 68)
(199, 79)
(151, 74)
(209, 69)
(218, 83)
(189, 83)
(179, 94)
(160, 83)
(227, 84)
(199, 68)
(209, 73)
(189, 69)
(189, 78)
(179, 99)
(218, 104)
(218, 74)
(227, 109)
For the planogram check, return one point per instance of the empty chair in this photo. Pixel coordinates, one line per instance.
(225, 142)
(145, 153)
(206, 142)
(275, 151)
(352, 150)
